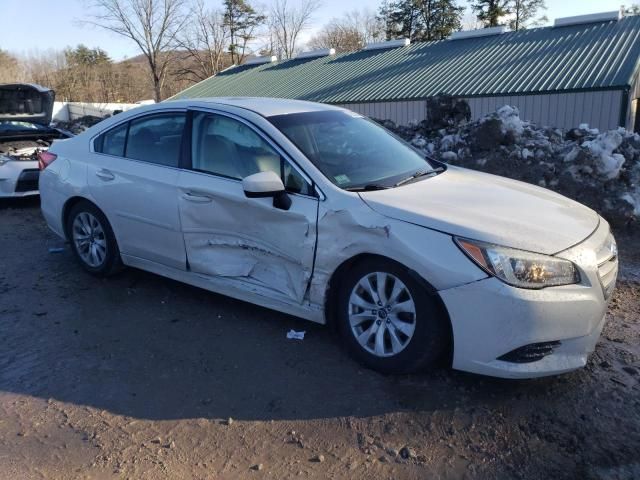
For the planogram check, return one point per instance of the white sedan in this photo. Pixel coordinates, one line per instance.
(318, 212)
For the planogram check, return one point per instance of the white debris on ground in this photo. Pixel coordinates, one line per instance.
(601, 170)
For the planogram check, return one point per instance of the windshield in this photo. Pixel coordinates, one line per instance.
(9, 126)
(350, 150)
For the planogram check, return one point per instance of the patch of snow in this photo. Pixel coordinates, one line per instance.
(511, 121)
(633, 199)
(449, 156)
(602, 148)
(572, 155)
(419, 141)
(585, 127)
(448, 142)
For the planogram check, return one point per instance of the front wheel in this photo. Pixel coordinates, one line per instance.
(388, 320)
(92, 240)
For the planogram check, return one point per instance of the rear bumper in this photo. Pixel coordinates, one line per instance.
(19, 179)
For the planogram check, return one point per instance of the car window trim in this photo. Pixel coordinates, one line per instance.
(319, 195)
(127, 120)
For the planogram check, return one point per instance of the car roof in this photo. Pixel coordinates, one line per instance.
(267, 107)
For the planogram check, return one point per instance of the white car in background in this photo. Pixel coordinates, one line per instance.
(25, 115)
(318, 212)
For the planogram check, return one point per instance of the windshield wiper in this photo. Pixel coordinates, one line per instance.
(367, 188)
(418, 174)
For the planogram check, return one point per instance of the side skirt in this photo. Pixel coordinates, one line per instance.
(252, 294)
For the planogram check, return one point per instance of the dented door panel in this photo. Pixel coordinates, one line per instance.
(245, 239)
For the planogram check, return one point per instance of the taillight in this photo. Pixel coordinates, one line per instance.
(45, 159)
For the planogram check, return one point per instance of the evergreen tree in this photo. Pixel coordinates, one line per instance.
(420, 20)
(241, 19)
(402, 20)
(491, 12)
(441, 18)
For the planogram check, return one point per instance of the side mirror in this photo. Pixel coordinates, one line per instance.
(267, 184)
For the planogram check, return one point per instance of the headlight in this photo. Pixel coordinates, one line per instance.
(519, 268)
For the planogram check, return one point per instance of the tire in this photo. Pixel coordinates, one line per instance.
(86, 220)
(421, 337)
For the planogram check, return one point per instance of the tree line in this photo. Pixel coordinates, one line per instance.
(182, 42)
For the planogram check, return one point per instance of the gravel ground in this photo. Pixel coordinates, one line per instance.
(141, 377)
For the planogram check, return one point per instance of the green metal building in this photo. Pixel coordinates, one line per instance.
(581, 70)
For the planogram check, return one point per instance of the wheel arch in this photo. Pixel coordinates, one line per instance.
(66, 209)
(335, 282)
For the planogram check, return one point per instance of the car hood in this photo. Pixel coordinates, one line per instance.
(489, 208)
(25, 102)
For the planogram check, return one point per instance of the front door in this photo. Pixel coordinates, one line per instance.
(246, 241)
(133, 176)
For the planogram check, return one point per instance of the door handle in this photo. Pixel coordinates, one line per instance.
(105, 174)
(191, 197)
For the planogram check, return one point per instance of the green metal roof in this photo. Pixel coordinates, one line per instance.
(591, 56)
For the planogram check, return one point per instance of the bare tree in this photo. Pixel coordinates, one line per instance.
(287, 21)
(204, 41)
(350, 33)
(151, 24)
(10, 68)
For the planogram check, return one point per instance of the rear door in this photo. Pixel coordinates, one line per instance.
(133, 176)
(245, 241)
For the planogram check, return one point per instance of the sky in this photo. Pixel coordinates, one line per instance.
(56, 24)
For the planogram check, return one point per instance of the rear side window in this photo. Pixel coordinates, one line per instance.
(153, 138)
(112, 142)
(156, 139)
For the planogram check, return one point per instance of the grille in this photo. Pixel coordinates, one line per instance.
(607, 257)
(28, 180)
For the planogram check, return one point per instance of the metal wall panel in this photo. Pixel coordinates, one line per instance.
(402, 113)
(600, 109)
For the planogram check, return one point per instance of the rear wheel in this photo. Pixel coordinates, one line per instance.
(92, 240)
(388, 320)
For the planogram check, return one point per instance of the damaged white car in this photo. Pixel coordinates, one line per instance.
(25, 115)
(318, 212)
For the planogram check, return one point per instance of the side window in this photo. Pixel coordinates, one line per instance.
(227, 147)
(156, 138)
(112, 142)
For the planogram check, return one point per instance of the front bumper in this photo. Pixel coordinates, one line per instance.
(19, 178)
(490, 319)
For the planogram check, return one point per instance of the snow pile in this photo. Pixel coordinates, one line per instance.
(601, 170)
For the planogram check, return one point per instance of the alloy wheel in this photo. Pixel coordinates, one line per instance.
(382, 314)
(89, 239)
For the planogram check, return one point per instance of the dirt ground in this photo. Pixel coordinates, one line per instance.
(141, 377)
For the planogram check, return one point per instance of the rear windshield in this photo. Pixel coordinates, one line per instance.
(350, 150)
